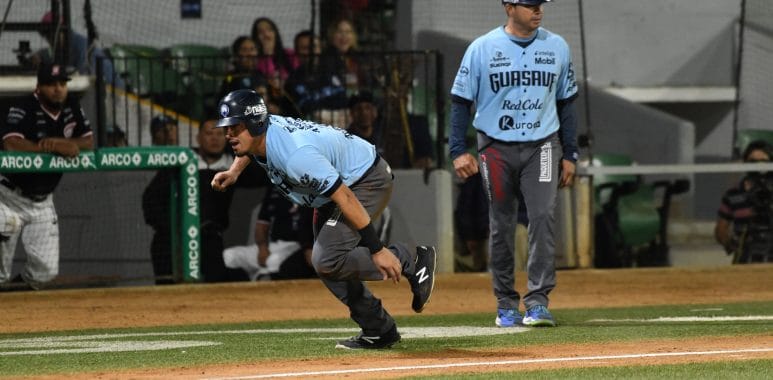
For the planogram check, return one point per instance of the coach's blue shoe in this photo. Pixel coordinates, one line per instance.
(508, 318)
(539, 316)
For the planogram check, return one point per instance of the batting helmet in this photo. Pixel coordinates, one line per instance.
(529, 2)
(244, 106)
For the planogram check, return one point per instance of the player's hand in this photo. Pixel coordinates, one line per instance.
(465, 165)
(388, 264)
(567, 173)
(222, 180)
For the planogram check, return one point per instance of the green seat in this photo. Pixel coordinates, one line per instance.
(745, 136)
(631, 219)
(205, 65)
(604, 184)
(144, 70)
(202, 68)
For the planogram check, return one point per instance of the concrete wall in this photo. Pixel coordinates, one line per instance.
(628, 43)
(107, 238)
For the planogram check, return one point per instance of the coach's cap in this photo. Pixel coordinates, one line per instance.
(529, 2)
(52, 72)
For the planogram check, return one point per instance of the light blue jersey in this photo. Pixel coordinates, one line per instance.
(515, 88)
(308, 161)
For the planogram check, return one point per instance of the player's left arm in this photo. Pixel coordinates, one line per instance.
(566, 93)
(567, 116)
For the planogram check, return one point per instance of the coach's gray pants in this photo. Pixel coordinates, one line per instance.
(533, 169)
(343, 266)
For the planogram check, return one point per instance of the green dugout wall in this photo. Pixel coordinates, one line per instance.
(184, 196)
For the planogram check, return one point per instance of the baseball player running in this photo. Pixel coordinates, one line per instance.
(520, 78)
(47, 121)
(348, 184)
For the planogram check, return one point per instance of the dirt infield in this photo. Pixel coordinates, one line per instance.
(459, 293)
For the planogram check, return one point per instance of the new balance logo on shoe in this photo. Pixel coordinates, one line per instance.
(422, 273)
(423, 280)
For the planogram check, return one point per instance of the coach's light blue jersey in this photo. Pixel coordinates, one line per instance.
(305, 160)
(515, 88)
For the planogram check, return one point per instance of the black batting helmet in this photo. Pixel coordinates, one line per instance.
(244, 106)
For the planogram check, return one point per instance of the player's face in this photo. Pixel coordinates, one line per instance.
(239, 138)
(527, 16)
(211, 139)
(52, 95)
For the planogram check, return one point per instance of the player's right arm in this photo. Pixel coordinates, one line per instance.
(223, 179)
(354, 213)
(464, 89)
(465, 164)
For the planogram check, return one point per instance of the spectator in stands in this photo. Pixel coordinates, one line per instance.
(745, 218)
(339, 62)
(307, 89)
(306, 45)
(116, 137)
(47, 121)
(81, 56)
(274, 61)
(363, 112)
(212, 157)
(283, 241)
(155, 203)
(244, 73)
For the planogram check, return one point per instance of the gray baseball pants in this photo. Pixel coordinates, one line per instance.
(531, 168)
(343, 266)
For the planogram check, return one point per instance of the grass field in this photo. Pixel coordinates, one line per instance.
(706, 340)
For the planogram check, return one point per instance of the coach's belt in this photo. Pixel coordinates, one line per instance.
(17, 190)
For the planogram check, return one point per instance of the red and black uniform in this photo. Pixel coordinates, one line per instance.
(27, 119)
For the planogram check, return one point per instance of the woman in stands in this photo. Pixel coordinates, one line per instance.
(339, 61)
(274, 61)
(243, 73)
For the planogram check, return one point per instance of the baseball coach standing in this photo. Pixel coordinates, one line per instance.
(46, 121)
(520, 78)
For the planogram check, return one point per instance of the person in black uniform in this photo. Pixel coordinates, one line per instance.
(284, 238)
(47, 121)
(155, 203)
(213, 157)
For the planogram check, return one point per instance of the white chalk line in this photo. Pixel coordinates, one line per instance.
(100, 342)
(490, 363)
(691, 319)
